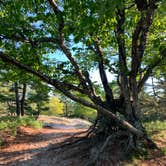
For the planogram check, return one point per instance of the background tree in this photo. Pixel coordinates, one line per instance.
(19, 93)
(115, 36)
(68, 106)
(37, 98)
(56, 107)
(7, 99)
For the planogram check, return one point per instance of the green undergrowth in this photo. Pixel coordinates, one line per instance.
(163, 150)
(155, 126)
(10, 125)
(15, 122)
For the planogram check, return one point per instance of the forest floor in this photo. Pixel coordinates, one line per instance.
(44, 147)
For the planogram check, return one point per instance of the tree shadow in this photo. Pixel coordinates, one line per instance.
(57, 149)
(66, 153)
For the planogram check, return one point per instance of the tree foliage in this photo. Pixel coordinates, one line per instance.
(56, 107)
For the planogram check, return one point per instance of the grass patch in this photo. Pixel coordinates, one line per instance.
(155, 126)
(7, 123)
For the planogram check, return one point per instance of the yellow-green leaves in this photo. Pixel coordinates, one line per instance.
(56, 107)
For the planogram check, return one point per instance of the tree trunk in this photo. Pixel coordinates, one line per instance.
(23, 99)
(37, 113)
(17, 99)
(109, 134)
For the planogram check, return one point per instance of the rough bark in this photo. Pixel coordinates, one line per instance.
(103, 76)
(23, 100)
(17, 98)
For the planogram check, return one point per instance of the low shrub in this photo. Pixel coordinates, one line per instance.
(10, 124)
(155, 126)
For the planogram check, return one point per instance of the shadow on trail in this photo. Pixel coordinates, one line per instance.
(58, 154)
(50, 146)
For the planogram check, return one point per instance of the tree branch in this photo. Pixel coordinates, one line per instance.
(61, 86)
(139, 39)
(103, 76)
(123, 69)
(58, 84)
(94, 97)
(66, 51)
(62, 45)
(148, 73)
(33, 42)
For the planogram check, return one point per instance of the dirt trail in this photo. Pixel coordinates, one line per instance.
(25, 149)
(37, 147)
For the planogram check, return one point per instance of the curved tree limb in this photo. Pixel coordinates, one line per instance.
(58, 85)
(7, 59)
(61, 42)
(149, 72)
(139, 39)
(108, 91)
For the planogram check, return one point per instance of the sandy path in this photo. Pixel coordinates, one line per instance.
(25, 149)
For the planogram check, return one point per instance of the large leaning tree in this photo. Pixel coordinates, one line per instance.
(64, 42)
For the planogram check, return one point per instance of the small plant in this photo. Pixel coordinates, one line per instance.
(163, 150)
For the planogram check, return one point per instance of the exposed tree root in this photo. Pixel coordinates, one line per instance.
(106, 148)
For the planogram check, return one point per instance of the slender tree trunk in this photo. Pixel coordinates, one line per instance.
(66, 109)
(17, 99)
(37, 113)
(23, 99)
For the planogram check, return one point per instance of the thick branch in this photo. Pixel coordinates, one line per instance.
(62, 45)
(121, 40)
(59, 86)
(139, 39)
(148, 73)
(86, 74)
(7, 59)
(103, 76)
(123, 69)
(68, 54)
